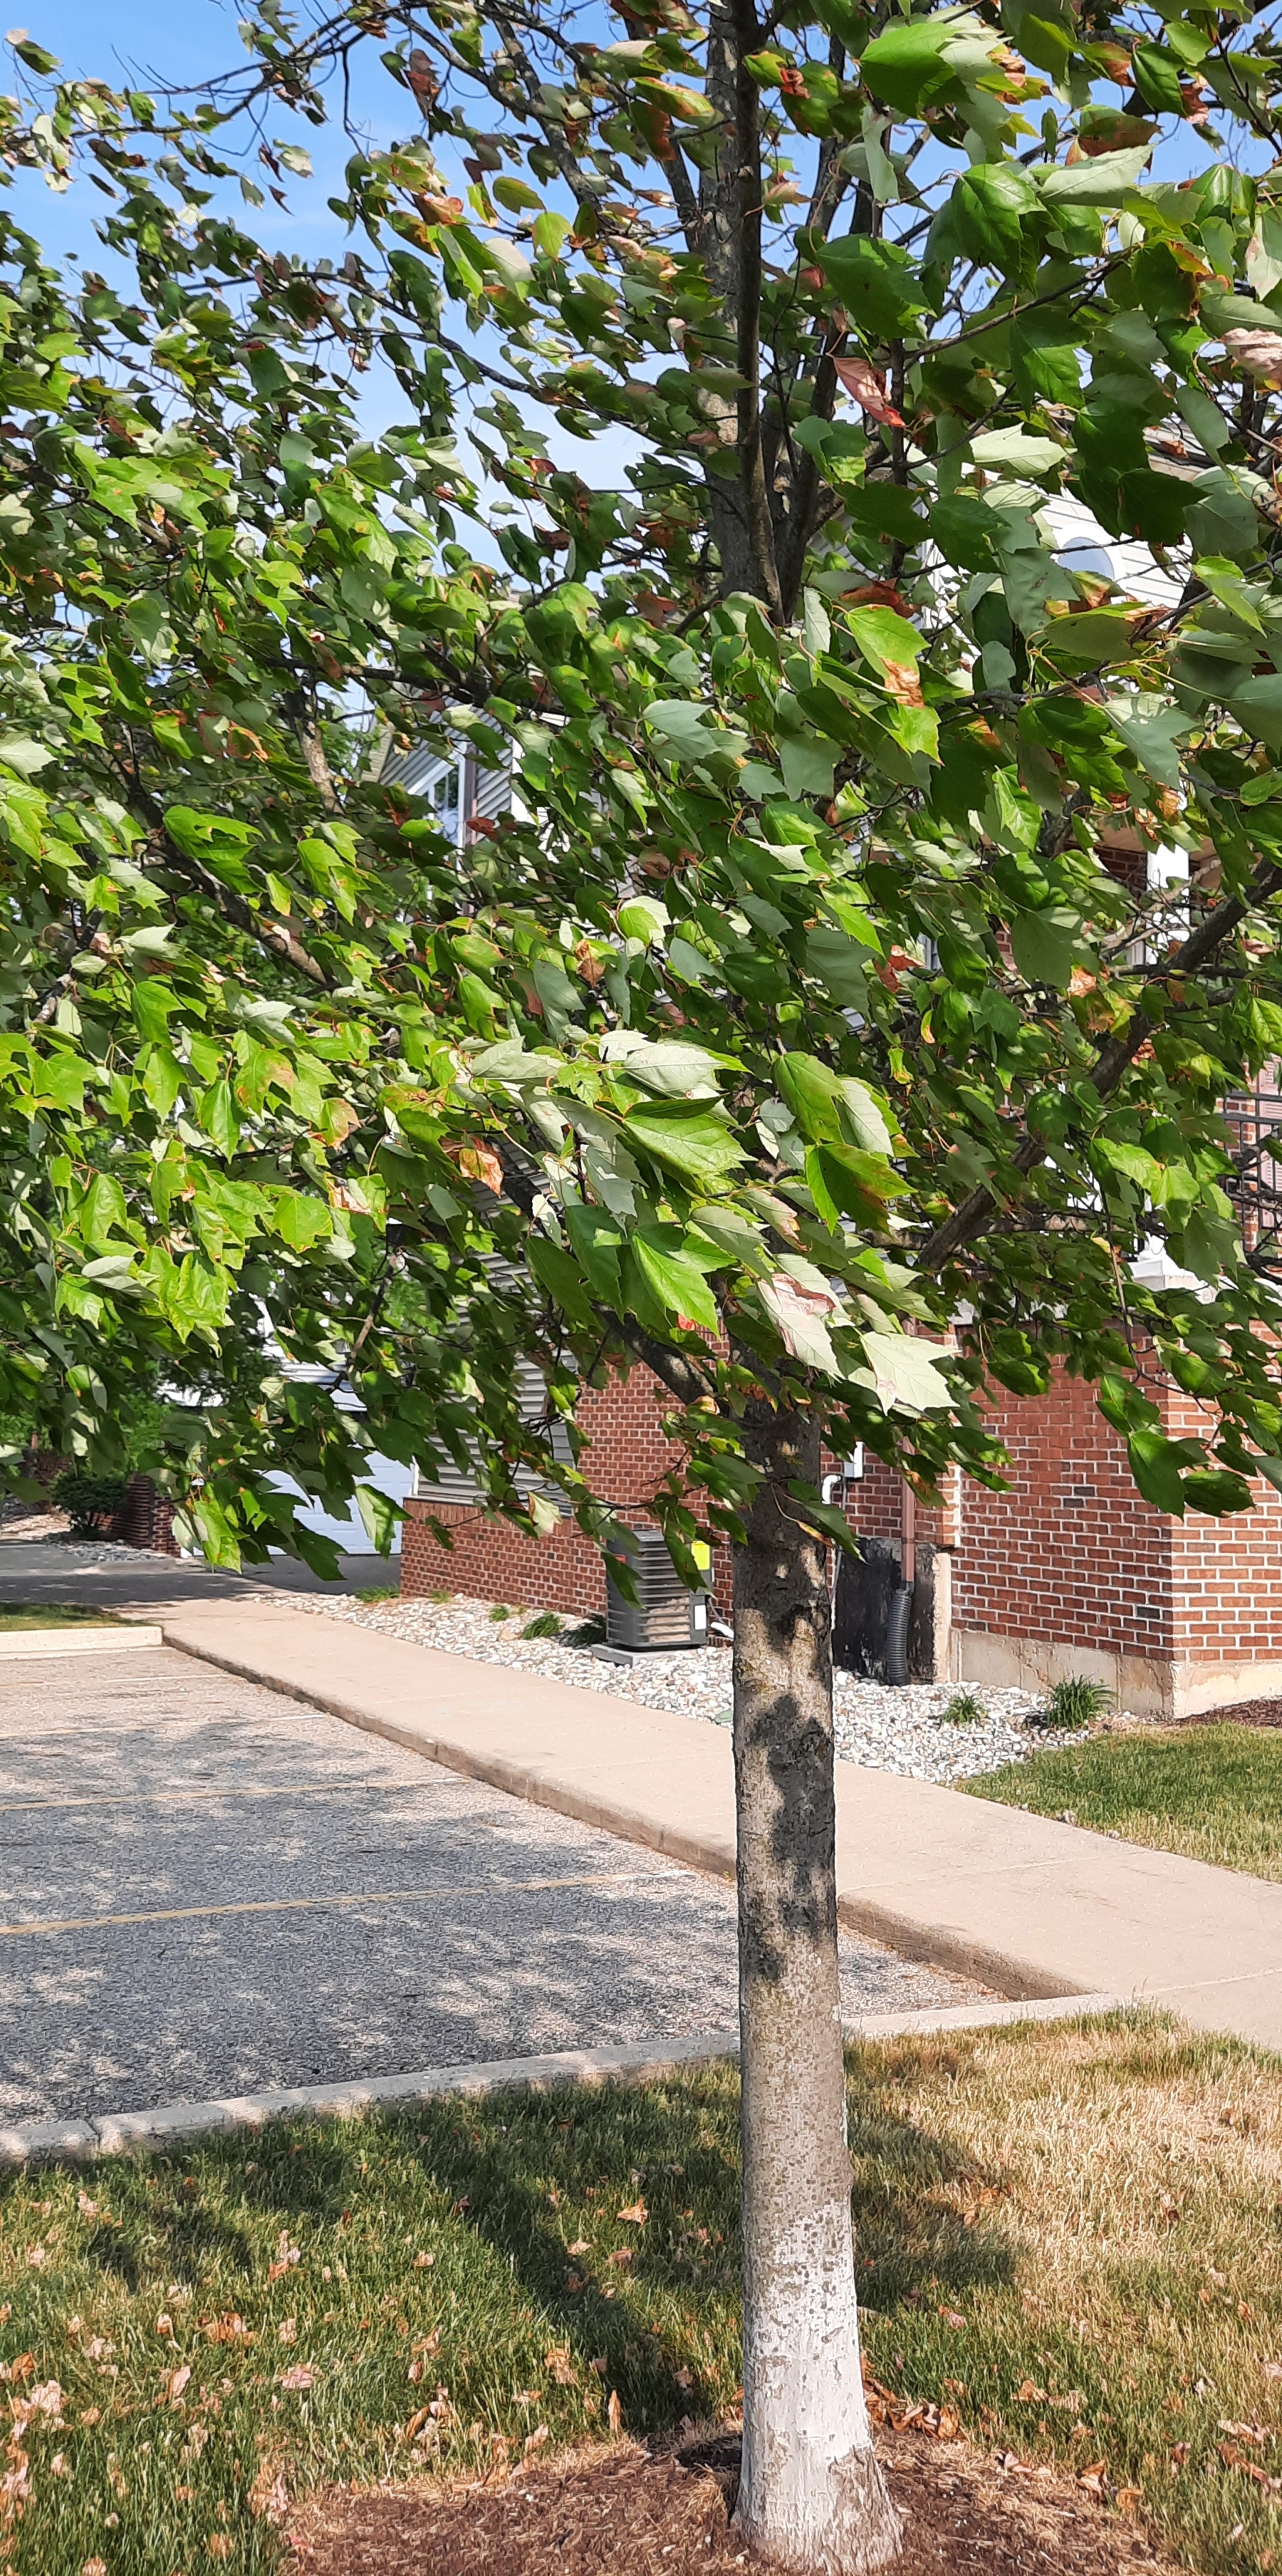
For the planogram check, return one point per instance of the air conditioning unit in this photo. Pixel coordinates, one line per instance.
(666, 1616)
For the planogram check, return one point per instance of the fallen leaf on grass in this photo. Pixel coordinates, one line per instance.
(1029, 2394)
(94, 2567)
(535, 2440)
(91, 2415)
(614, 2412)
(573, 2282)
(297, 2377)
(88, 2208)
(528, 2396)
(175, 2384)
(600, 2365)
(20, 2369)
(1013, 2465)
(424, 2262)
(1094, 2478)
(267, 2496)
(952, 2317)
(637, 2215)
(623, 2255)
(219, 2544)
(580, 2246)
(684, 2378)
(559, 2363)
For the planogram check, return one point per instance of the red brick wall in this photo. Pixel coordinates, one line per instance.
(490, 1560)
(1226, 1575)
(1070, 1552)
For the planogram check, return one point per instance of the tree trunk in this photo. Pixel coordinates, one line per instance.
(812, 2495)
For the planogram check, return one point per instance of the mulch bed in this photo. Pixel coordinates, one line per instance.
(1248, 1712)
(666, 2513)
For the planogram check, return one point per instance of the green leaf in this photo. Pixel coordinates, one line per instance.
(556, 1272)
(904, 1370)
(991, 206)
(876, 280)
(1107, 180)
(1157, 78)
(674, 1279)
(808, 763)
(1044, 946)
(300, 1221)
(380, 1515)
(692, 732)
(906, 63)
(698, 1146)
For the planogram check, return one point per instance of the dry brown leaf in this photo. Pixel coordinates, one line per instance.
(623, 2255)
(903, 680)
(94, 2567)
(424, 2262)
(88, 2208)
(861, 379)
(219, 2544)
(614, 2412)
(534, 2441)
(299, 2376)
(684, 2378)
(1029, 2394)
(1094, 2477)
(287, 2330)
(175, 2383)
(478, 1162)
(952, 2317)
(580, 2246)
(636, 2216)
(559, 2363)
(1258, 352)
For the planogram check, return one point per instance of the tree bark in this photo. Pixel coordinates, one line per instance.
(812, 2496)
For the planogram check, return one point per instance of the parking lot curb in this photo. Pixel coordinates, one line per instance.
(183, 2124)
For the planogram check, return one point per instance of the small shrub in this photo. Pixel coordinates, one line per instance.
(89, 1500)
(499, 1610)
(380, 1592)
(545, 1623)
(963, 1710)
(1073, 1704)
(440, 1598)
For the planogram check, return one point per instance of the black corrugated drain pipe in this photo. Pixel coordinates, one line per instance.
(902, 1602)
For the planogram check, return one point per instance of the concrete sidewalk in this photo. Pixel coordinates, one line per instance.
(1029, 1906)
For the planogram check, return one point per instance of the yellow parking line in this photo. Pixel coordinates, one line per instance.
(161, 1797)
(305, 1904)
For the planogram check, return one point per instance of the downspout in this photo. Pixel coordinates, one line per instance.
(902, 1602)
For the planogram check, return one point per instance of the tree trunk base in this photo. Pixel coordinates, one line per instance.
(829, 2518)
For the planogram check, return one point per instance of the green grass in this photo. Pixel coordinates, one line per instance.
(1072, 2234)
(1212, 1792)
(380, 1592)
(53, 1614)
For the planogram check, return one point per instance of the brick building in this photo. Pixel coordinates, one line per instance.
(1068, 1571)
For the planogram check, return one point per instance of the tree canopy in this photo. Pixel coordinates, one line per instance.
(790, 1016)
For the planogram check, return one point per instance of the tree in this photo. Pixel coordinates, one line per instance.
(790, 1020)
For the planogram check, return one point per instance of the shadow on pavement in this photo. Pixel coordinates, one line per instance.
(129, 1578)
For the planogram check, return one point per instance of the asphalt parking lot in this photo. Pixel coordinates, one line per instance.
(206, 1887)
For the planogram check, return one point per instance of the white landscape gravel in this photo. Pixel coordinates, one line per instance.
(885, 1729)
